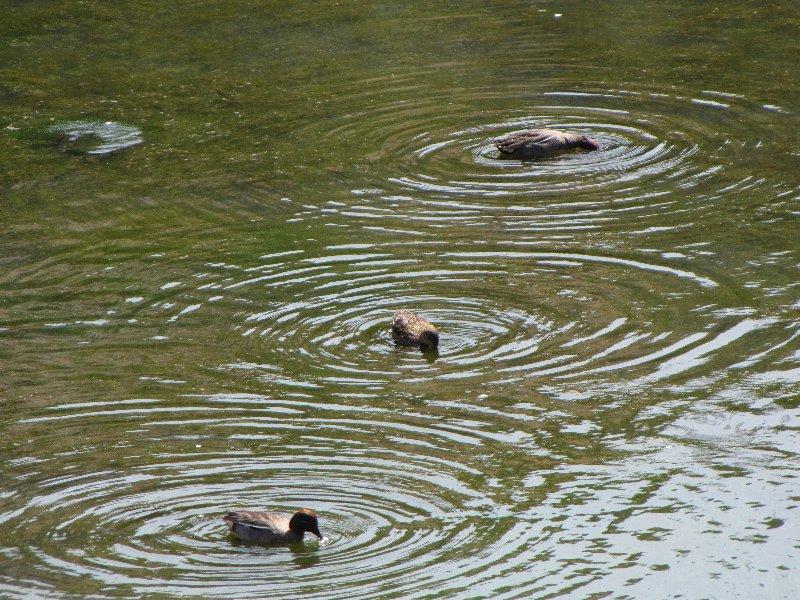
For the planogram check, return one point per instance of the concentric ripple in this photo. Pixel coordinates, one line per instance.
(394, 508)
(626, 155)
(665, 160)
(506, 317)
(452, 498)
(203, 323)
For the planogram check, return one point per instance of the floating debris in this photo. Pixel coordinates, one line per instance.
(82, 136)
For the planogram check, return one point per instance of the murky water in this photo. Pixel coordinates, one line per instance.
(197, 319)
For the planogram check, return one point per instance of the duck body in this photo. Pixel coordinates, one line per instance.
(272, 528)
(536, 143)
(409, 329)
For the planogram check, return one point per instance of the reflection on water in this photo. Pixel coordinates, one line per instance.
(202, 322)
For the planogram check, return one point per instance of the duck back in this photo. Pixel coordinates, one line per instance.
(256, 526)
(409, 329)
(534, 143)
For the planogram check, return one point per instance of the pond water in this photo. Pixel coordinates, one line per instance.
(209, 215)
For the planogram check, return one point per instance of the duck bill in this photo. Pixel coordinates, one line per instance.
(316, 532)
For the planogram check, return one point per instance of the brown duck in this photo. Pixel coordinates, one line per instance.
(272, 528)
(535, 143)
(409, 329)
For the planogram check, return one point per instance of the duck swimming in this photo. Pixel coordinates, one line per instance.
(272, 528)
(536, 143)
(409, 329)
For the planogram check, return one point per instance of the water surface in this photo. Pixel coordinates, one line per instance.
(199, 320)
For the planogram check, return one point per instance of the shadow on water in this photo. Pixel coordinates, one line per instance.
(304, 555)
(431, 355)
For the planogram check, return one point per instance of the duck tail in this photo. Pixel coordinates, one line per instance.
(230, 519)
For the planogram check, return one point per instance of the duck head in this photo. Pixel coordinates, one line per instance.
(429, 339)
(588, 143)
(304, 520)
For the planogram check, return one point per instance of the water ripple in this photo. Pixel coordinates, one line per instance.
(154, 526)
(433, 164)
(323, 321)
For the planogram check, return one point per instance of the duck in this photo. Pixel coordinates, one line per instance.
(272, 528)
(536, 143)
(409, 329)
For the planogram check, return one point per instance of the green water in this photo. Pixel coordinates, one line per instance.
(199, 320)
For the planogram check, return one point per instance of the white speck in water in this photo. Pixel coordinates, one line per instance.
(557, 16)
(190, 308)
(95, 322)
(710, 103)
(325, 541)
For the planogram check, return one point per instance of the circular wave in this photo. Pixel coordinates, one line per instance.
(394, 508)
(665, 160)
(626, 155)
(504, 316)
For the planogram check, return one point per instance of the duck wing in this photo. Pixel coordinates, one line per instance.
(254, 518)
(531, 139)
(405, 321)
